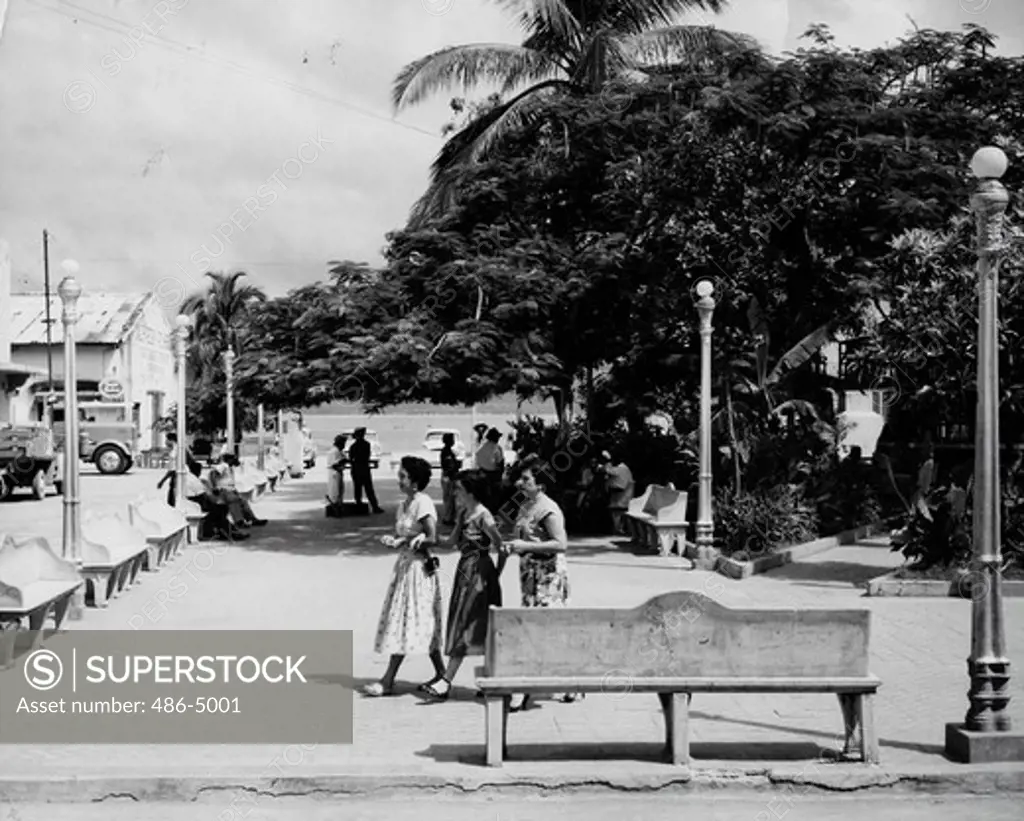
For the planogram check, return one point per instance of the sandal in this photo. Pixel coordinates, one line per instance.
(434, 693)
(377, 690)
(427, 685)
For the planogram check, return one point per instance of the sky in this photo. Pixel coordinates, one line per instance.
(156, 139)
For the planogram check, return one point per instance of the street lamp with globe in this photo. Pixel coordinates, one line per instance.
(985, 734)
(70, 291)
(705, 557)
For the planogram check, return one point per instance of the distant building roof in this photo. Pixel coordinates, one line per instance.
(104, 319)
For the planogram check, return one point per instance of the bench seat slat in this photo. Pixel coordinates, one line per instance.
(668, 685)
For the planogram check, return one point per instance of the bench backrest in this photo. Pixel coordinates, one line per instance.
(665, 504)
(682, 634)
(28, 559)
(107, 535)
(155, 518)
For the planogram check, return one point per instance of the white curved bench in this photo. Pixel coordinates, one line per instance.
(113, 553)
(165, 529)
(35, 584)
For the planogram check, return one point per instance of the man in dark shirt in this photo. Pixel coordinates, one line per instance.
(450, 467)
(362, 476)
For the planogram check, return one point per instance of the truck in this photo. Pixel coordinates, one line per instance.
(108, 436)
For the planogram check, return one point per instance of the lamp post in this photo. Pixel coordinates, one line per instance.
(69, 291)
(705, 558)
(985, 733)
(260, 458)
(229, 373)
(183, 324)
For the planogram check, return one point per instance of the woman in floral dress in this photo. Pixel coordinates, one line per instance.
(477, 587)
(410, 620)
(540, 541)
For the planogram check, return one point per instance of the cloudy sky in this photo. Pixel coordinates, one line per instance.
(133, 146)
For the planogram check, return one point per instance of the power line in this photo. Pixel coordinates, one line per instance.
(187, 50)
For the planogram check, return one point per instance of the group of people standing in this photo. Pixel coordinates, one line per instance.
(411, 619)
(356, 457)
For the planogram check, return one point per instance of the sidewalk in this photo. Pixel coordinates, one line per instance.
(306, 572)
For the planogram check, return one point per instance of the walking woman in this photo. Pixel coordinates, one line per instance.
(410, 620)
(476, 587)
(540, 541)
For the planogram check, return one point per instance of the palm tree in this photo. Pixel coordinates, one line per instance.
(218, 316)
(571, 47)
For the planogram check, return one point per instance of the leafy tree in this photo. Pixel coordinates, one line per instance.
(221, 321)
(571, 47)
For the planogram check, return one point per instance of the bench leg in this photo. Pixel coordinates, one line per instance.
(60, 609)
(497, 728)
(868, 733)
(100, 586)
(8, 638)
(676, 708)
(36, 622)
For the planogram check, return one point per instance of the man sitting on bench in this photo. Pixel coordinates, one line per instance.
(222, 483)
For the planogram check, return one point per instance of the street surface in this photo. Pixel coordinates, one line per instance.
(304, 571)
(561, 808)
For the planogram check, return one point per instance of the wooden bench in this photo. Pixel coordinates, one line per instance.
(165, 529)
(701, 647)
(657, 520)
(35, 585)
(113, 553)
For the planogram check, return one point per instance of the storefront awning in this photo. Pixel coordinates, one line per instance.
(17, 375)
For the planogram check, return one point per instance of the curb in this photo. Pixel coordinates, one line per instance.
(959, 588)
(250, 788)
(738, 570)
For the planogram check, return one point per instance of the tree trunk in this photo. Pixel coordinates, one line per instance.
(737, 481)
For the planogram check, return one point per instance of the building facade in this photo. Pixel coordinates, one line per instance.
(124, 347)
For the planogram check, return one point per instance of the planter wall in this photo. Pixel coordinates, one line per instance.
(742, 569)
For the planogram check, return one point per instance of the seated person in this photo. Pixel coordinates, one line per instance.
(216, 525)
(222, 484)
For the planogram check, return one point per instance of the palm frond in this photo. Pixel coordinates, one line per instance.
(553, 17)
(465, 67)
(636, 16)
(474, 143)
(801, 352)
(687, 44)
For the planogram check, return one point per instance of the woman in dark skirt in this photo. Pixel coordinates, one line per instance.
(476, 587)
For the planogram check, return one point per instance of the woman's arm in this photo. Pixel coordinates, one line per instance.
(554, 524)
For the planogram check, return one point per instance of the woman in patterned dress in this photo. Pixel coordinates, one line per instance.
(410, 620)
(540, 541)
(476, 587)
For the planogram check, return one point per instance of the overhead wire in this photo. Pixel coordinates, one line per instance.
(74, 12)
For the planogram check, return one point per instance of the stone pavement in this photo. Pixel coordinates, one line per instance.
(306, 572)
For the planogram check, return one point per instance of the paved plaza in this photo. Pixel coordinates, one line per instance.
(304, 571)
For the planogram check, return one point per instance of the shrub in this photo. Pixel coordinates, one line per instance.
(846, 498)
(751, 524)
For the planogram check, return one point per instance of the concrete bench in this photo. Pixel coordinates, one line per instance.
(165, 529)
(113, 553)
(247, 475)
(194, 515)
(35, 585)
(701, 647)
(657, 520)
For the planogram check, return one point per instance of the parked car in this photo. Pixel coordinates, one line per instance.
(433, 445)
(375, 446)
(308, 450)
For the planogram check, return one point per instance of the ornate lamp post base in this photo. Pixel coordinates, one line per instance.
(705, 555)
(983, 747)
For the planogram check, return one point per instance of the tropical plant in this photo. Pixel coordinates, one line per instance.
(571, 47)
(750, 524)
(220, 317)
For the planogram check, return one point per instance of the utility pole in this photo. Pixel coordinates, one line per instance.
(48, 410)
